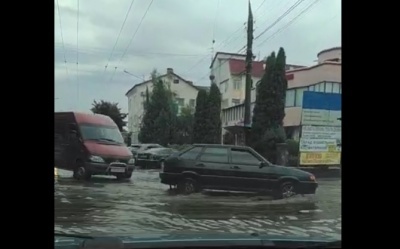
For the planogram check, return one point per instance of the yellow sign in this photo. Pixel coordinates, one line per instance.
(320, 158)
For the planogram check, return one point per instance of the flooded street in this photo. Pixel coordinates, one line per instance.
(144, 205)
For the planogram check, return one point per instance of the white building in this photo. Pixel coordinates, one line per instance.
(228, 72)
(185, 95)
(325, 76)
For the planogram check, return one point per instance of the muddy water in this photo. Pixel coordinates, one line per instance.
(143, 205)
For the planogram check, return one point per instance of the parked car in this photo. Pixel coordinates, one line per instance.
(90, 144)
(151, 158)
(138, 148)
(233, 168)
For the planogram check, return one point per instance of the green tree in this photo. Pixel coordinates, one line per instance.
(213, 116)
(200, 115)
(184, 126)
(269, 111)
(160, 114)
(110, 109)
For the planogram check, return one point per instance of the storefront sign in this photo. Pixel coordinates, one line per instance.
(320, 158)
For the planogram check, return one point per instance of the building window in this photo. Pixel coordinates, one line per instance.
(328, 87)
(335, 88)
(180, 101)
(299, 96)
(311, 88)
(235, 101)
(192, 103)
(340, 88)
(321, 87)
(290, 96)
(237, 83)
(176, 81)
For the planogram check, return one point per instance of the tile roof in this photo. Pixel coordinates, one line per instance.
(239, 66)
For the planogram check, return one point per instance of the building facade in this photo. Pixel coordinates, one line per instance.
(325, 76)
(184, 91)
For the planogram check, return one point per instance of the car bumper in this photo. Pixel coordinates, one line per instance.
(170, 178)
(105, 169)
(307, 188)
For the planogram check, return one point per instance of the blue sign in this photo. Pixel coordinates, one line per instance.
(322, 101)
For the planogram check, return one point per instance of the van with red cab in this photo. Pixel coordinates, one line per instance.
(90, 144)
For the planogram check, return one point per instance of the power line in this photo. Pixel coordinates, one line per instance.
(259, 6)
(134, 34)
(226, 40)
(62, 40)
(290, 22)
(119, 34)
(77, 55)
(215, 20)
(291, 8)
(102, 51)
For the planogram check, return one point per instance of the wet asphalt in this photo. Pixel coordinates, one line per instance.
(142, 205)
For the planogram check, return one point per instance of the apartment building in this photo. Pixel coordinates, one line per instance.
(185, 93)
(325, 76)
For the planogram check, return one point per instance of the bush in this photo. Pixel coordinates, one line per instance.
(293, 161)
(293, 147)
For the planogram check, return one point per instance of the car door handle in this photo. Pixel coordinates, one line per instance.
(199, 165)
(235, 167)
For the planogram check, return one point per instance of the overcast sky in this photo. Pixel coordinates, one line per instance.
(176, 34)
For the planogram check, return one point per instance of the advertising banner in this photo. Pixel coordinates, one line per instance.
(319, 158)
(321, 139)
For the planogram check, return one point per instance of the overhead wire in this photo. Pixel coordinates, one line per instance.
(291, 8)
(102, 51)
(118, 36)
(226, 41)
(77, 55)
(137, 29)
(62, 41)
(134, 34)
(290, 22)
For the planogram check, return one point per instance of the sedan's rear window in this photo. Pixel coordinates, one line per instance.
(191, 154)
(215, 155)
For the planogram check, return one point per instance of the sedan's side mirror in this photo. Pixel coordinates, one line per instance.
(263, 164)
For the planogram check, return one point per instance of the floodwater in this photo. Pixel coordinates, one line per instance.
(142, 205)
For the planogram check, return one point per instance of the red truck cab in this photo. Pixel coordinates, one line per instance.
(90, 144)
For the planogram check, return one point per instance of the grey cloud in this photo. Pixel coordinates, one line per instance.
(172, 28)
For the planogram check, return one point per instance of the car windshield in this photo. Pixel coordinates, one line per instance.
(227, 118)
(103, 133)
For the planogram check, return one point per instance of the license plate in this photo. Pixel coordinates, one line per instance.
(117, 170)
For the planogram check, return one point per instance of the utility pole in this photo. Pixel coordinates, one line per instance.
(249, 59)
